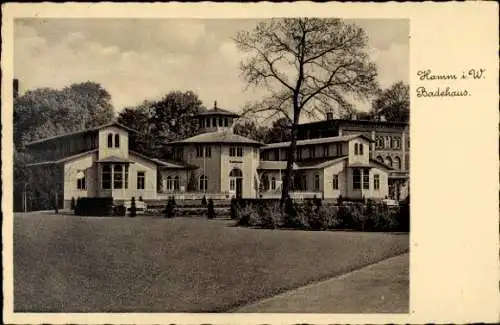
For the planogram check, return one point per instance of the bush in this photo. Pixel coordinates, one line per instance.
(94, 206)
(119, 210)
(72, 204)
(293, 216)
(271, 216)
(133, 208)
(248, 216)
(210, 209)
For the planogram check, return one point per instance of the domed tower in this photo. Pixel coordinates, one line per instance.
(216, 119)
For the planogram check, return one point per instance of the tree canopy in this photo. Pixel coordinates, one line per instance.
(164, 120)
(308, 66)
(393, 103)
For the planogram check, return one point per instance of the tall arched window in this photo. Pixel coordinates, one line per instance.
(316, 182)
(388, 161)
(110, 140)
(117, 141)
(361, 149)
(236, 172)
(169, 183)
(203, 183)
(397, 163)
(355, 148)
(265, 182)
(176, 183)
(273, 183)
(335, 182)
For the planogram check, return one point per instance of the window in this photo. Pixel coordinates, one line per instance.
(312, 152)
(397, 163)
(316, 182)
(339, 149)
(141, 180)
(179, 153)
(176, 183)
(80, 181)
(203, 183)
(396, 143)
(232, 152)
(379, 142)
(199, 151)
(284, 155)
(220, 121)
(118, 176)
(208, 122)
(273, 183)
(356, 149)
(335, 182)
(265, 154)
(226, 123)
(361, 149)
(265, 182)
(208, 151)
(232, 184)
(110, 140)
(325, 151)
(376, 182)
(299, 154)
(356, 179)
(237, 152)
(366, 179)
(380, 159)
(169, 183)
(388, 161)
(117, 141)
(106, 177)
(276, 154)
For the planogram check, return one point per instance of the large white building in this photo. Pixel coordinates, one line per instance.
(216, 163)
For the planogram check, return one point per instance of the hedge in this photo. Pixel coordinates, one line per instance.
(94, 206)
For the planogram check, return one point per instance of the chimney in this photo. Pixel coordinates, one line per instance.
(15, 86)
(329, 116)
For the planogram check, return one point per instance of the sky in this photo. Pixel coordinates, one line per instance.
(139, 59)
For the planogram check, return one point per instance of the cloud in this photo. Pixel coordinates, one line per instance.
(138, 59)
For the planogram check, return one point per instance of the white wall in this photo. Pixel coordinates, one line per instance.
(71, 168)
(121, 151)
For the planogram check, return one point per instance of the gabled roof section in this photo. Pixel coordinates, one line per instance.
(217, 137)
(164, 163)
(62, 160)
(319, 163)
(218, 112)
(343, 138)
(371, 164)
(97, 128)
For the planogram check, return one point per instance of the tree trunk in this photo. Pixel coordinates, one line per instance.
(290, 160)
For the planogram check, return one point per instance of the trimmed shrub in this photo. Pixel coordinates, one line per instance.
(210, 209)
(72, 204)
(94, 206)
(271, 216)
(133, 208)
(248, 216)
(293, 216)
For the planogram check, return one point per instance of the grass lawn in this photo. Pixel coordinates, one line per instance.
(73, 264)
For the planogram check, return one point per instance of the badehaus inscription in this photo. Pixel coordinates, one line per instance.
(445, 90)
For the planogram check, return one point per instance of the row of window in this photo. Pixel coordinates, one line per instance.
(214, 122)
(324, 151)
(206, 151)
(387, 142)
(116, 177)
(361, 179)
(396, 163)
(116, 138)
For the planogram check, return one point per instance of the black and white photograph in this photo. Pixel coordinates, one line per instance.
(211, 165)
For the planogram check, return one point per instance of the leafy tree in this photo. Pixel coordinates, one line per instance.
(393, 103)
(248, 128)
(307, 65)
(280, 131)
(164, 120)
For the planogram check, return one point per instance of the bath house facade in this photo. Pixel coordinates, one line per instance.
(216, 163)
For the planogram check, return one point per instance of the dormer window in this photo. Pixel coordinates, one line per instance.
(110, 140)
(361, 149)
(117, 141)
(355, 149)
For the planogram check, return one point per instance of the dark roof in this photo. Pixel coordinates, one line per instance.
(217, 112)
(299, 165)
(164, 163)
(351, 122)
(343, 138)
(217, 137)
(54, 162)
(81, 132)
(371, 164)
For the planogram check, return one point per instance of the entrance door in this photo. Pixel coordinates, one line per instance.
(239, 187)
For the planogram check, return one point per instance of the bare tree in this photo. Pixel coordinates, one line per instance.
(309, 66)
